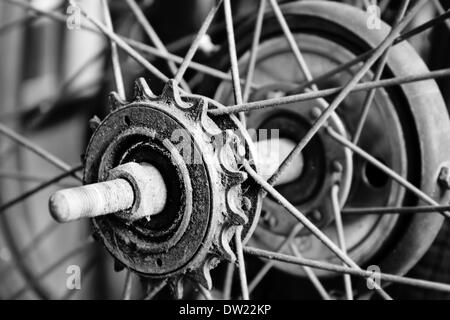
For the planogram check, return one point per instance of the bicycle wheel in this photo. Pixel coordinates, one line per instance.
(173, 180)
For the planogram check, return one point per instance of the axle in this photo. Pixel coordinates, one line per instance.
(137, 188)
(140, 190)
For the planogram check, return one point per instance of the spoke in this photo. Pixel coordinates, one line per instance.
(114, 53)
(29, 18)
(241, 263)
(421, 28)
(312, 276)
(391, 173)
(369, 98)
(405, 36)
(35, 190)
(233, 57)
(228, 284)
(203, 291)
(292, 43)
(135, 44)
(384, 4)
(272, 103)
(215, 29)
(309, 273)
(155, 290)
(31, 178)
(440, 9)
(341, 236)
(269, 264)
(150, 31)
(77, 250)
(47, 105)
(62, 94)
(378, 73)
(254, 50)
(78, 72)
(195, 44)
(17, 23)
(217, 73)
(36, 149)
(177, 59)
(34, 244)
(122, 44)
(341, 269)
(329, 111)
(308, 224)
(396, 210)
(46, 13)
(153, 36)
(128, 285)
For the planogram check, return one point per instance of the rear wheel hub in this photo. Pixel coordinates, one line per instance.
(198, 160)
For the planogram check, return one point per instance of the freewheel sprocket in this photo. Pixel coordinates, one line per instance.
(199, 161)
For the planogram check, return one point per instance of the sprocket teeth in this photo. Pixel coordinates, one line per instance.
(224, 151)
(234, 207)
(225, 238)
(203, 274)
(94, 122)
(231, 148)
(171, 94)
(142, 91)
(115, 101)
(213, 134)
(232, 180)
(152, 287)
(195, 109)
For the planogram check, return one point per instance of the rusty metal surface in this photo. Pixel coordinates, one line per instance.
(204, 197)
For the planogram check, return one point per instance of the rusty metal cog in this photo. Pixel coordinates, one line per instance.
(198, 159)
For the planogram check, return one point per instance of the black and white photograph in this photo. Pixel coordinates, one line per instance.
(190, 150)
